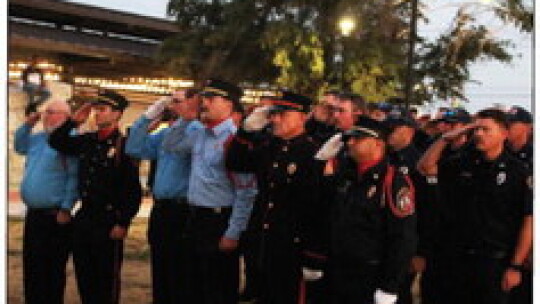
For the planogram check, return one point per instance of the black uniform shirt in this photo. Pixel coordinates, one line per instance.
(376, 226)
(525, 154)
(484, 202)
(289, 187)
(108, 178)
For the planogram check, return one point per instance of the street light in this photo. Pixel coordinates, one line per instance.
(346, 25)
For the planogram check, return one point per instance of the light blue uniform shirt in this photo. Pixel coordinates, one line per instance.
(210, 184)
(172, 171)
(50, 178)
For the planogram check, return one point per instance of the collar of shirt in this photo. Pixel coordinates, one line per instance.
(224, 126)
(107, 132)
(499, 162)
(364, 167)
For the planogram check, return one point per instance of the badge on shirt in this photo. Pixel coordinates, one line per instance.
(291, 168)
(404, 204)
(501, 178)
(404, 170)
(432, 180)
(371, 191)
(111, 152)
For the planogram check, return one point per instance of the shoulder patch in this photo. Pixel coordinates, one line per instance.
(403, 206)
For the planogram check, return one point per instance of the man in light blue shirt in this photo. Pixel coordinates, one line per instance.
(49, 190)
(220, 202)
(170, 187)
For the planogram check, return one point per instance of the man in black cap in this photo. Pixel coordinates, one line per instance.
(486, 213)
(110, 193)
(520, 140)
(520, 144)
(404, 155)
(220, 202)
(292, 219)
(374, 228)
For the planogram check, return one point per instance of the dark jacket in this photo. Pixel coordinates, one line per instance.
(374, 226)
(108, 178)
(483, 203)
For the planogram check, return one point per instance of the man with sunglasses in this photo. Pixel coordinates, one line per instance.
(373, 223)
(170, 187)
(292, 220)
(219, 202)
(110, 193)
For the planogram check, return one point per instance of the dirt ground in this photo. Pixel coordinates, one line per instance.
(136, 286)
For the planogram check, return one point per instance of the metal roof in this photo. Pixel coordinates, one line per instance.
(87, 16)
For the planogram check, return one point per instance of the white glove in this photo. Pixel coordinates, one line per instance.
(330, 148)
(157, 108)
(257, 120)
(382, 297)
(311, 274)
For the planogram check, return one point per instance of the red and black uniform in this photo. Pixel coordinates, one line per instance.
(111, 195)
(291, 219)
(373, 233)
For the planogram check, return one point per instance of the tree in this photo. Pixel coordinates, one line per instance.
(443, 65)
(292, 43)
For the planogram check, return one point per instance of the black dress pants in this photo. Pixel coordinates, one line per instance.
(166, 225)
(97, 258)
(46, 247)
(209, 275)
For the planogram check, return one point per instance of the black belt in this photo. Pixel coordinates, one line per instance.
(493, 254)
(209, 210)
(170, 201)
(47, 211)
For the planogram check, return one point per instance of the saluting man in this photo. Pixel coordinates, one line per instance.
(486, 212)
(292, 219)
(169, 213)
(110, 194)
(374, 228)
(220, 202)
(49, 190)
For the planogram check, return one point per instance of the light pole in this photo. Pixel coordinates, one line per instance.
(410, 58)
(346, 25)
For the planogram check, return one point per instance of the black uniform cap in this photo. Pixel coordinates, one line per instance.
(457, 116)
(394, 122)
(111, 98)
(367, 127)
(216, 87)
(289, 101)
(519, 114)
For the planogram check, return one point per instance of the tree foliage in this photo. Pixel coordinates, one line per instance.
(294, 43)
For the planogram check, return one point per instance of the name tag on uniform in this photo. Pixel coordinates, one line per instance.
(371, 191)
(501, 178)
(111, 152)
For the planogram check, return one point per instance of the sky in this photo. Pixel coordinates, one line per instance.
(508, 84)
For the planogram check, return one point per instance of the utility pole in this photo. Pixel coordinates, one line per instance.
(409, 82)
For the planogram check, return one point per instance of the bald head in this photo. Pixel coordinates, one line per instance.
(54, 114)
